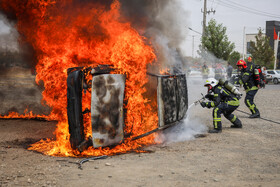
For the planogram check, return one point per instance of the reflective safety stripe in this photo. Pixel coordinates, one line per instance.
(233, 119)
(253, 88)
(252, 107)
(234, 102)
(216, 95)
(246, 73)
(212, 104)
(216, 119)
(251, 68)
(240, 81)
(225, 92)
(209, 104)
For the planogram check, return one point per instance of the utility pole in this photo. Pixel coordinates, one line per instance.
(205, 11)
(204, 17)
(244, 38)
(192, 45)
(193, 40)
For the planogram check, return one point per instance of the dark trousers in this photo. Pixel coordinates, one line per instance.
(249, 101)
(227, 110)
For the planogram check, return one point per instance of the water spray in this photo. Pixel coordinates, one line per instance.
(199, 101)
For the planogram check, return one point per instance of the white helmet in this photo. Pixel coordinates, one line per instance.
(211, 82)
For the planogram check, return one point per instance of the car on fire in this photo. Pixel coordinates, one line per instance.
(107, 111)
(272, 75)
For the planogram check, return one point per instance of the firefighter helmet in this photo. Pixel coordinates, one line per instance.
(211, 83)
(241, 63)
(249, 59)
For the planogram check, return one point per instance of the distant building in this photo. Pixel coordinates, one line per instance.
(272, 29)
(249, 38)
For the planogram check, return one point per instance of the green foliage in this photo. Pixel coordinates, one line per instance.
(215, 41)
(262, 53)
(233, 58)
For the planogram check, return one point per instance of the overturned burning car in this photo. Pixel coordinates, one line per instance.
(107, 110)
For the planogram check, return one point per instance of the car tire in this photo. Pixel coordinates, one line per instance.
(275, 81)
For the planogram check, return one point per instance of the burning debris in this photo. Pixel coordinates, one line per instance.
(106, 104)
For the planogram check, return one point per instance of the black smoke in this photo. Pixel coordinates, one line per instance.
(163, 22)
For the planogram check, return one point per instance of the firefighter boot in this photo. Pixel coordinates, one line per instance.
(216, 130)
(255, 115)
(236, 124)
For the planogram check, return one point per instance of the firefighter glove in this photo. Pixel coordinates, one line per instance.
(209, 97)
(203, 104)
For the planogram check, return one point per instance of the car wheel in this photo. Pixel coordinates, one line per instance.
(275, 81)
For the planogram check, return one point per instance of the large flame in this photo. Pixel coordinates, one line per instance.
(66, 34)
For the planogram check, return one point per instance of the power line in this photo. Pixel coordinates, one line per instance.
(243, 8)
(246, 9)
(250, 8)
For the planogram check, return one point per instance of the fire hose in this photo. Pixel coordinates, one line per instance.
(91, 158)
(260, 117)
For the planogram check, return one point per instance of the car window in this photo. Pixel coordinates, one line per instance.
(278, 71)
(270, 72)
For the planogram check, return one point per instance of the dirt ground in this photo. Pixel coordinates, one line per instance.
(235, 157)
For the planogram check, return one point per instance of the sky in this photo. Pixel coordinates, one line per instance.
(233, 14)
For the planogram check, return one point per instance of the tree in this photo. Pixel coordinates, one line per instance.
(233, 58)
(261, 51)
(215, 42)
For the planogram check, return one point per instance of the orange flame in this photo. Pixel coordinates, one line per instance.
(26, 115)
(65, 34)
(164, 71)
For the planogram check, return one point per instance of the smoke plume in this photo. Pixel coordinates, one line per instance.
(165, 23)
(186, 130)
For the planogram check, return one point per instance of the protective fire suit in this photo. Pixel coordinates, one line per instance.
(223, 102)
(251, 87)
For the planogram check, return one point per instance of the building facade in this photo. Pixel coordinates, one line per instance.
(249, 38)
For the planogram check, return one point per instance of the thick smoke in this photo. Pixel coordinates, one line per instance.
(8, 35)
(163, 22)
(186, 130)
(14, 51)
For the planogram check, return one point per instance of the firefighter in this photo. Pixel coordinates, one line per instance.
(250, 64)
(229, 71)
(205, 71)
(218, 72)
(223, 102)
(250, 85)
